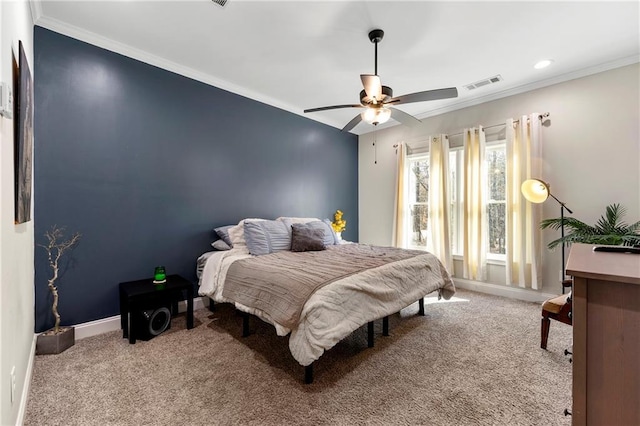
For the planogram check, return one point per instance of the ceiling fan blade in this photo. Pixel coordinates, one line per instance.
(404, 118)
(428, 95)
(372, 86)
(333, 107)
(353, 123)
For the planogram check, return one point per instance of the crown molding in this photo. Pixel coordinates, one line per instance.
(618, 63)
(157, 61)
(36, 10)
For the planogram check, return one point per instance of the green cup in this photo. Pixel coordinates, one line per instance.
(159, 274)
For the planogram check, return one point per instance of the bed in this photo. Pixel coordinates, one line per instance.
(317, 296)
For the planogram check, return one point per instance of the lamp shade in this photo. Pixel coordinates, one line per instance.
(535, 190)
(375, 116)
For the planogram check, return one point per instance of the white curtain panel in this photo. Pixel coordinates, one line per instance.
(439, 201)
(398, 236)
(474, 196)
(523, 236)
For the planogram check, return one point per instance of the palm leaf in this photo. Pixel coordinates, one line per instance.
(609, 230)
(611, 220)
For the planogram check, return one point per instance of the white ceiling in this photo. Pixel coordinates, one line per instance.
(303, 54)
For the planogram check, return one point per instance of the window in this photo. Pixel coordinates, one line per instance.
(496, 161)
(418, 199)
(417, 222)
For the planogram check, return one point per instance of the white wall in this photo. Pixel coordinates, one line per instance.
(16, 241)
(591, 153)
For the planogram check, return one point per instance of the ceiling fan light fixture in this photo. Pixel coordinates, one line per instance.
(376, 116)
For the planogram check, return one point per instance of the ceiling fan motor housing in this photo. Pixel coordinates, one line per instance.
(387, 94)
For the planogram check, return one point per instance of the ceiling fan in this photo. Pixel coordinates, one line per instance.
(378, 100)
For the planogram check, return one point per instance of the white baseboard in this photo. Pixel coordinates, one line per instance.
(105, 325)
(22, 410)
(93, 328)
(505, 291)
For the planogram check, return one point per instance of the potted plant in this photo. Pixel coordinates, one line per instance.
(57, 339)
(609, 230)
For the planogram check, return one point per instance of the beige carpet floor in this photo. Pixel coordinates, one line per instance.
(475, 360)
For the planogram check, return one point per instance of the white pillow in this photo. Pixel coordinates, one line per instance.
(236, 233)
(297, 219)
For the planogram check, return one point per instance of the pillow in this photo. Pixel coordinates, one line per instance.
(266, 236)
(297, 219)
(306, 238)
(220, 245)
(223, 233)
(236, 233)
(336, 239)
(328, 238)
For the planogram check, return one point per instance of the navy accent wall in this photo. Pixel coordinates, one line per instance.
(144, 163)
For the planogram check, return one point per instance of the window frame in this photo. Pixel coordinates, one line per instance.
(407, 231)
(456, 171)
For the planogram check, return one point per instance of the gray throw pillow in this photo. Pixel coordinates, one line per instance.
(328, 236)
(306, 238)
(223, 233)
(220, 245)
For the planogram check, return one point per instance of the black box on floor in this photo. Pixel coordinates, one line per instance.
(150, 323)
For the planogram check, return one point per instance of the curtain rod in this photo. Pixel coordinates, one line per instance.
(540, 117)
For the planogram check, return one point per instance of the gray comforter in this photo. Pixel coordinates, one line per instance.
(279, 284)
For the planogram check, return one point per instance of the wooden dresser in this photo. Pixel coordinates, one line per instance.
(606, 336)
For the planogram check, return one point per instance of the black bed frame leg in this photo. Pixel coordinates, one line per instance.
(212, 305)
(370, 333)
(421, 308)
(245, 324)
(308, 374)
(385, 326)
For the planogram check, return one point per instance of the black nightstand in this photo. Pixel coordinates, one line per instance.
(143, 294)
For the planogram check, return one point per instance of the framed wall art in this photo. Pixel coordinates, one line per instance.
(23, 137)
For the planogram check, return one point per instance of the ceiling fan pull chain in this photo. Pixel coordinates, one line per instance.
(375, 148)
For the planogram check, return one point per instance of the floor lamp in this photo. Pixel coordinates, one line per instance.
(538, 191)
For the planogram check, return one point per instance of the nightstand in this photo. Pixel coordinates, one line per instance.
(136, 296)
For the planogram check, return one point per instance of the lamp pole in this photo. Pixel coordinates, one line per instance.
(562, 209)
(537, 191)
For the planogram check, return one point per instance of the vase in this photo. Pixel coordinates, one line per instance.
(49, 343)
(339, 235)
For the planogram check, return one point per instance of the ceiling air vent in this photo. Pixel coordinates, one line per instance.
(220, 3)
(484, 82)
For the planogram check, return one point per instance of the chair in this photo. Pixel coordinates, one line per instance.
(557, 308)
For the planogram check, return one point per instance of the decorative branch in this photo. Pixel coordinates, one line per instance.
(55, 249)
